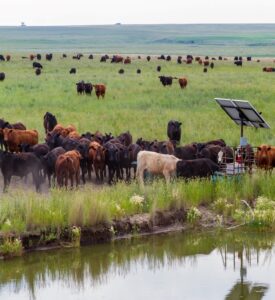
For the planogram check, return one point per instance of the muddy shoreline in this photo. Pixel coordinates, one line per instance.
(133, 226)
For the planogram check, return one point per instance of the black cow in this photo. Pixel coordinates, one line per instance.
(198, 168)
(168, 58)
(148, 58)
(38, 56)
(2, 76)
(49, 56)
(162, 57)
(211, 152)
(166, 80)
(158, 68)
(238, 63)
(73, 71)
(49, 160)
(121, 71)
(20, 164)
(64, 55)
(80, 87)
(212, 65)
(125, 138)
(2, 58)
(36, 64)
(174, 130)
(91, 56)
(103, 59)
(179, 60)
(205, 70)
(88, 87)
(186, 152)
(138, 71)
(249, 58)
(112, 160)
(37, 71)
(49, 122)
(39, 149)
(220, 57)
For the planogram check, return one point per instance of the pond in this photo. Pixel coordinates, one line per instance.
(232, 265)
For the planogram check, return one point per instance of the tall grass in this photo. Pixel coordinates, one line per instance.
(30, 211)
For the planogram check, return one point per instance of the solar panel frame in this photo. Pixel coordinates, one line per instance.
(242, 113)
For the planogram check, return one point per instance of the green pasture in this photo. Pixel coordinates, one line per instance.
(138, 103)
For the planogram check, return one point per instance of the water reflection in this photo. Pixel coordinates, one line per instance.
(95, 267)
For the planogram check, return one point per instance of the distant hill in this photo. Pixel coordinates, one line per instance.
(214, 39)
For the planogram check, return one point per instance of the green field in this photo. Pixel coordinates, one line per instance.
(138, 103)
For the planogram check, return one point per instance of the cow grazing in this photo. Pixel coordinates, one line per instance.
(80, 87)
(91, 56)
(166, 80)
(162, 57)
(148, 58)
(8, 57)
(37, 65)
(64, 55)
(73, 71)
(168, 58)
(88, 88)
(138, 71)
(156, 164)
(2, 76)
(206, 63)
(183, 82)
(174, 130)
(15, 137)
(205, 70)
(117, 59)
(249, 58)
(265, 157)
(49, 122)
(100, 90)
(68, 167)
(121, 71)
(158, 68)
(32, 57)
(212, 65)
(2, 58)
(198, 168)
(37, 72)
(103, 59)
(20, 164)
(38, 56)
(179, 60)
(220, 57)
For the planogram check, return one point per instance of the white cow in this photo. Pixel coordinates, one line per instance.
(157, 164)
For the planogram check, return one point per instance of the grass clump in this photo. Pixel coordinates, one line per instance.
(11, 247)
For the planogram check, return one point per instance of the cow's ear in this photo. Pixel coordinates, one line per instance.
(259, 148)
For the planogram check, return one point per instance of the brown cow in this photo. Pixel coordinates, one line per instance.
(8, 57)
(15, 137)
(206, 63)
(100, 90)
(183, 82)
(127, 60)
(68, 166)
(97, 158)
(265, 157)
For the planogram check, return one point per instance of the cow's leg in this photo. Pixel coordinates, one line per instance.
(7, 180)
(167, 176)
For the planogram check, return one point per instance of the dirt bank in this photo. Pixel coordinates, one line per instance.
(136, 225)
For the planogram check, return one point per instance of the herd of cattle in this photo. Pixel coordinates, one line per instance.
(67, 155)
(165, 80)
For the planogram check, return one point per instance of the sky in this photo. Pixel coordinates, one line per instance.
(97, 12)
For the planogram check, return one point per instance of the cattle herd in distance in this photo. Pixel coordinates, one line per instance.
(100, 89)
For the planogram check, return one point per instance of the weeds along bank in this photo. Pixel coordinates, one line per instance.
(138, 102)
(88, 215)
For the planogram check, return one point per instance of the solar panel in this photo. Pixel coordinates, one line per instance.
(242, 113)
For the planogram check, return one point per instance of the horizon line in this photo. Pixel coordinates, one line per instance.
(137, 24)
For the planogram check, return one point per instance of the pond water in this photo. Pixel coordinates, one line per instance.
(234, 265)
